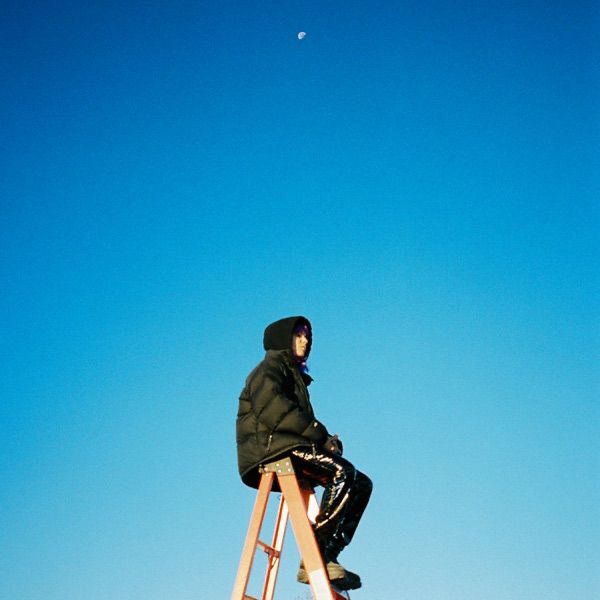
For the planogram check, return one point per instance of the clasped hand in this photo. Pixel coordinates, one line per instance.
(334, 444)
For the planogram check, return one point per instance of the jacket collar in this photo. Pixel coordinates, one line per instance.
(286, 355)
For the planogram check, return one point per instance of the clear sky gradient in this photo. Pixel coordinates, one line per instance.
(420, 179)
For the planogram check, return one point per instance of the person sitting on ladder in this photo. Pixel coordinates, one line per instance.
(276, 419)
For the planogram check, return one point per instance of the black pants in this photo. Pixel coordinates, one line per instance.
(347, 492)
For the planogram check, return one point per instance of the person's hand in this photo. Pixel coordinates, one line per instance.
(334, 444)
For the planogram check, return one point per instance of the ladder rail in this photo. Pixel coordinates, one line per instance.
(248, 551)
(274, 559)
(309, 550)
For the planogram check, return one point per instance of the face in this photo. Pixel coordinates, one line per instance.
(300, 344)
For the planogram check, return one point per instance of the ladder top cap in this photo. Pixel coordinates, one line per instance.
(281, 467)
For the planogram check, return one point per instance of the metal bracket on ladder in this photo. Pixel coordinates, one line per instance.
(295, 502)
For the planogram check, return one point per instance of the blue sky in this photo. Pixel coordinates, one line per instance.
(419, 179)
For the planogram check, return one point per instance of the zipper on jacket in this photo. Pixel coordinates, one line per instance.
(269, 442)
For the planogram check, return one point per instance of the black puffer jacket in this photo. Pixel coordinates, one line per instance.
(275, 414)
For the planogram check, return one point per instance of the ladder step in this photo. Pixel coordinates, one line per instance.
(268, 549)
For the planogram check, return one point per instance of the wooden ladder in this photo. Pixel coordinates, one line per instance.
(301, 506)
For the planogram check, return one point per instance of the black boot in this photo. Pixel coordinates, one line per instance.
(330, 549)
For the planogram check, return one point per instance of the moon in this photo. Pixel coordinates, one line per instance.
(302, 35)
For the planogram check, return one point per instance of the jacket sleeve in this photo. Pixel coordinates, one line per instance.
(280, 413)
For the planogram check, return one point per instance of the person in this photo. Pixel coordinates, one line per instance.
(275, 418)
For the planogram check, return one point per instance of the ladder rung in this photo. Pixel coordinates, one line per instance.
(268, 549)
(246, 597)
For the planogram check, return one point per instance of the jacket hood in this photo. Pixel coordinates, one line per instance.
(278, 335)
